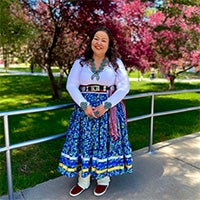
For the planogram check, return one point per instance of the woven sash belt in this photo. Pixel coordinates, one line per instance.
(96, 88)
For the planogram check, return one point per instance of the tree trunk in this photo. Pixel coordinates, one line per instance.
(5, 58)
(172, 79)
(60, 79)
(56, 91)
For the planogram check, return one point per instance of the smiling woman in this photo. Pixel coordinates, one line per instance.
(97, 142)
(100, 45)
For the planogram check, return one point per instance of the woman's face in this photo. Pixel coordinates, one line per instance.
(100, 43)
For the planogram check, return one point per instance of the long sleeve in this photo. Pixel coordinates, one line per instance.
(73, 82)
(81, 75)
(122, 83)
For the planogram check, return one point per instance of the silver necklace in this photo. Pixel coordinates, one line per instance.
(97, 71)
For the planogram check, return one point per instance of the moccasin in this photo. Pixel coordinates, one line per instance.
(76, 190)
(100, 190)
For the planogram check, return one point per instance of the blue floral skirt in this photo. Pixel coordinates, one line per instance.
(89, 148)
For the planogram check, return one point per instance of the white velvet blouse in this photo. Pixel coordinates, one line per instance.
(82, 76)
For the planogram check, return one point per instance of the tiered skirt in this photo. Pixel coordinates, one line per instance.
(90, 148)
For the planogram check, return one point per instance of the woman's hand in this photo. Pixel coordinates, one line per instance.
(89, 111)
(99, 110)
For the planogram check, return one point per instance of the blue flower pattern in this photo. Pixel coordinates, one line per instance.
(89, 148)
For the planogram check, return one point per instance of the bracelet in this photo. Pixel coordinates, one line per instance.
(84, 105)
(107, 105)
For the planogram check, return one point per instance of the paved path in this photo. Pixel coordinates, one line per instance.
(172, 172)
(15, 72)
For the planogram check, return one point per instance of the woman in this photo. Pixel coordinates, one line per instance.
(97, 139)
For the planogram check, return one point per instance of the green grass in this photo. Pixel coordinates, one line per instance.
(184, 75)
(26, 68)
(38, 163)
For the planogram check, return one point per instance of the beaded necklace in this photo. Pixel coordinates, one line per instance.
(97, 71)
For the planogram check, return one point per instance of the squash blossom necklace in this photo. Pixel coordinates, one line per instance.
(97, 71)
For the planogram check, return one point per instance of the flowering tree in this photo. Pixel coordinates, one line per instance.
(133, 34)
(64, 27)
(176, 38)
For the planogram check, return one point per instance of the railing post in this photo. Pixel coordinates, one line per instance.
(8, 159)
(151, 126)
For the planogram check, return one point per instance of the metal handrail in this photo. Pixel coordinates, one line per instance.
(9, 147)
(34, 110)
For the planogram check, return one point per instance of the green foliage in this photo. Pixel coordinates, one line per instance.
(187, 2)
(14, 29)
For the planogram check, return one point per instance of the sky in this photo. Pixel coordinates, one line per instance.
(158, 3)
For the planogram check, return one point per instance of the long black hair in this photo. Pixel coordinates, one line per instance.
(111, 53)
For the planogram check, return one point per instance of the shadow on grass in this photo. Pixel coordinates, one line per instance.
(21, 92)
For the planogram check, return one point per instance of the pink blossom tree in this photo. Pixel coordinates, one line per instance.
(134, 35)
(176, 39)
(64, 26)
(165, 40)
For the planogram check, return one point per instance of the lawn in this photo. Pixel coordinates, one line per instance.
(38, 163)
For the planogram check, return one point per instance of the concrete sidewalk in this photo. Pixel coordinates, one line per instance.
(172, 172)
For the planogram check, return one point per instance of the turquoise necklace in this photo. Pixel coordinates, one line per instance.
(97, 71)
